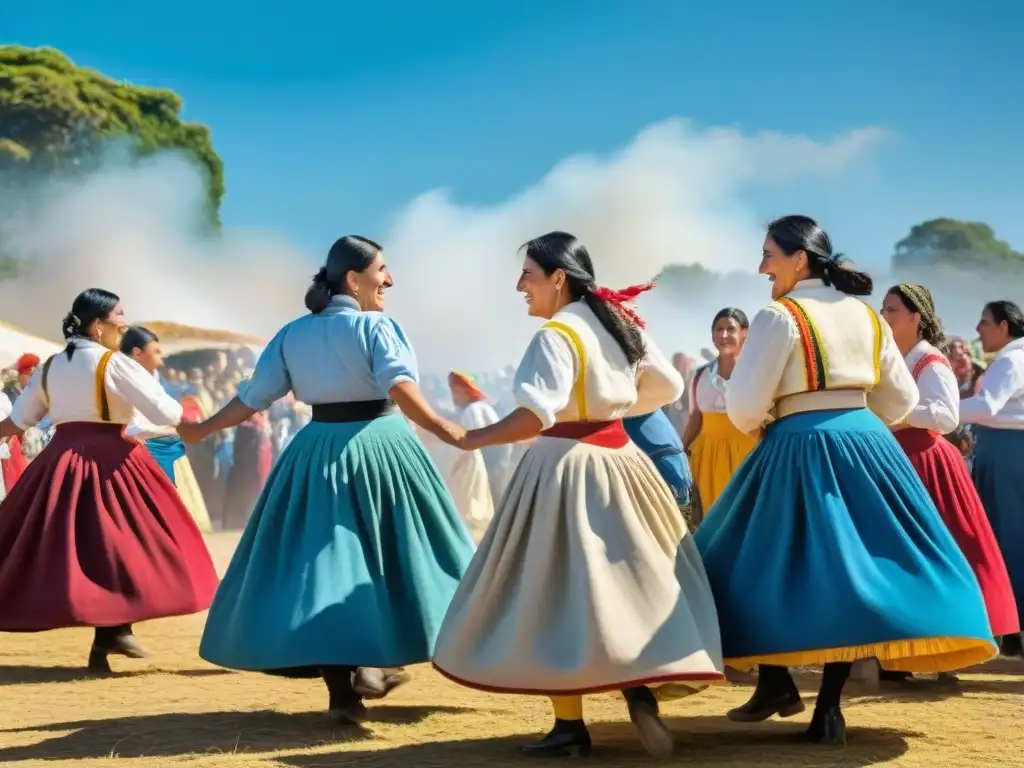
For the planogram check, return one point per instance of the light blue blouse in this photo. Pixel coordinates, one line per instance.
(340, 355)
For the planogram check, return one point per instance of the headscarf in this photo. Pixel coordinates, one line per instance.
(464, 382)
(924, 305)
(26, 363)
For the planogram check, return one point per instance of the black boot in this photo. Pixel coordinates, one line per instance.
(643, 711)
(568, 738)
(345, 706)
(828, 726)
(116, 641)
(893, 676)
(1011, 646)
(775, 694)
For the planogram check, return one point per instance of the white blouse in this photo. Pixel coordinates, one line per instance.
(574, 348)
(1000, 400)
(938, 408)
(773, 363)
(71, 391)
(708, 392)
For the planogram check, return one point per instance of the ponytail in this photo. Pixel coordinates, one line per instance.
(319, 294)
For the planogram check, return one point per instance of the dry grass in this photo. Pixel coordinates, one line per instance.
(180, 711)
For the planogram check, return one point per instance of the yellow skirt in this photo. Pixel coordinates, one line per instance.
(188, 489)
(716, 453)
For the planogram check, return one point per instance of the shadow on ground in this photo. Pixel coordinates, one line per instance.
(29, 675)
(700, 741)
(176, 734)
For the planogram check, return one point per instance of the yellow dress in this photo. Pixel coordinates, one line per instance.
(720, 447)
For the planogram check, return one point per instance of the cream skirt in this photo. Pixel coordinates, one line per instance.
(587, 580)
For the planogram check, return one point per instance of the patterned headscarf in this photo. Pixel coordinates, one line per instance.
(924, 305)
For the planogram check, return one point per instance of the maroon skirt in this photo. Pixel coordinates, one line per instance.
(94, 534)
(944, 473)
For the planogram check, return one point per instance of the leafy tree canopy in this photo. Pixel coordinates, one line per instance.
(55, 117)
(963, 245)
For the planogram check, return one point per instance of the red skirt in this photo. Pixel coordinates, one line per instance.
(14, 467)
(94, 534)
(945, 475)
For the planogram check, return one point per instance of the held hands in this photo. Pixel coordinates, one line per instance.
(192, 432)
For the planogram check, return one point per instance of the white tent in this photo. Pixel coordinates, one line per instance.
(15, 342)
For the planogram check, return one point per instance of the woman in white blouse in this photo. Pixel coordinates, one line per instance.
(586, 580)
(825, 547)
(997, 413)
(94, 534)
(715, 446)
(910, 312)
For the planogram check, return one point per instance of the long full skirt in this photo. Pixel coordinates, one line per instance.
(943, 471)
(94, 534)
(1000, 482)
(587, 580)
(350, 557)
(825, 546)
(715, 455)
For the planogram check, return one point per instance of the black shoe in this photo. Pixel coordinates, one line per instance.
(643, 711)
(567, 739)
(350, 713)
(767, 702)
(98, 664)
(1011, 646)
(828, 726)
(892, 676)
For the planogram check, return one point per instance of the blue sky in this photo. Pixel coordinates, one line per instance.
(331, 116)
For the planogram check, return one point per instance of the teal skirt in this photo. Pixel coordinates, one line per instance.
(825, 546)
(351, 556)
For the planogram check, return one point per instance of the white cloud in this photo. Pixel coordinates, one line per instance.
(673, 195)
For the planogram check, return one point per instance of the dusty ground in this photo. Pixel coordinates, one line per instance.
(178, 710)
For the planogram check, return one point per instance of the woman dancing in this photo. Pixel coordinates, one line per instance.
(94, 534)
(143, 346)
(587, 579)
(715, 446)
(354, 548)
(826, 548)
(910, 312)
(997, 416)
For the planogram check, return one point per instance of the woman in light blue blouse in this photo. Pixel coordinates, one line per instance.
(355, 548)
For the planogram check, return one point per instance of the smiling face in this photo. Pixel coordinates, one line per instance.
(783, 271)
(728, 336)
(368, 287)
(994, 336)
(960, 359)
(905, 324)
(545, 294)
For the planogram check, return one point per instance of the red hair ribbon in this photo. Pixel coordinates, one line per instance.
(619, 299)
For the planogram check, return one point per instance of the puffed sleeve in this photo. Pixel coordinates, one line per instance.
(895, 395)
(1003, 379)
(135, 384)
(392, 358)
(938, 408)
(545, 377)
(32, 405)
(270, 381)
(755, 378)
(658, 383)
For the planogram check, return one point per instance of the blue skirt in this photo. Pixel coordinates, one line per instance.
(351, 556)
(825, 546)
(997, 475)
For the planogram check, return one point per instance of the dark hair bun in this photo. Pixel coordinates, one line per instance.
(318, 296)
(71, 326)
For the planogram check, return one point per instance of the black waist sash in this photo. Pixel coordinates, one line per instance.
(358, 410)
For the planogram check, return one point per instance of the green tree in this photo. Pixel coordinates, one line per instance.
(951, 243)
(55, 118)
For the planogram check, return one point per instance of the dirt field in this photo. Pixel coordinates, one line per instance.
(177, 710)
